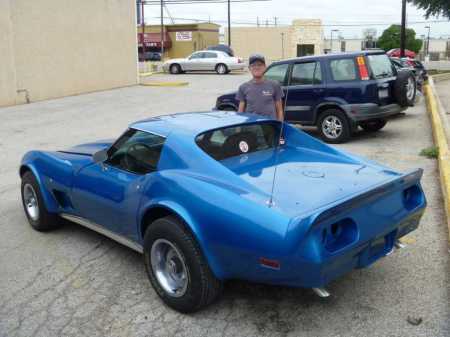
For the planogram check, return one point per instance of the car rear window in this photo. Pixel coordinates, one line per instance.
(343, 69)
(381, 66)
(238, 140)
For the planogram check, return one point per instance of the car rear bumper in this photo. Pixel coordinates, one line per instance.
(368, 111)
(239, 66)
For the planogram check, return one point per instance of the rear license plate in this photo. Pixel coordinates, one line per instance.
(383, 93)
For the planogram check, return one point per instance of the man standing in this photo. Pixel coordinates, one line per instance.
(260, 96)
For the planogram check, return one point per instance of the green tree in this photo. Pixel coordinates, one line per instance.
(433, 7)
(390, 39)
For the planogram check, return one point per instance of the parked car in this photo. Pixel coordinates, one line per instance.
(193, 192)
(415, 66)
(205, 60)
(222, 47)
(339, 92)
(150, 56)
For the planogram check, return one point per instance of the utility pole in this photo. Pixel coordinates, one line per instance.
(275, 19)
(257, 21)
(162, 29)
(403, 30)
(229, 24)
(428, 41)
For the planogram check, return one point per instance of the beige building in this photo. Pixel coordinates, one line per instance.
(54, 48)
(180, 40)
(303, 37)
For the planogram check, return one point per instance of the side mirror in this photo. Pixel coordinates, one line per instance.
(100, 156)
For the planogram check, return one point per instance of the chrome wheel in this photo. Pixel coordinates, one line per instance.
(332, 127)
(174, 69)
(31, 202)
(410, 88)
(169, 268)
(221, 69)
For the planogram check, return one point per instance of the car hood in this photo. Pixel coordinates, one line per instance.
(306, 179)
(90, 148)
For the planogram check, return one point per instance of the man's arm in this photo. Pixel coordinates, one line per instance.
(241, 106)
(279, 108)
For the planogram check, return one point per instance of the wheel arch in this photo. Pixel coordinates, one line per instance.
(50, 203)
(327, 106)
(227, 105)
(162, 209)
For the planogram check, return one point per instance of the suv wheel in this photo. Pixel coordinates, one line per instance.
(405, 88)
(334, 126)
(373, 125)
(177, 268)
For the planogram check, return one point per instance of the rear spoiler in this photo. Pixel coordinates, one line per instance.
(405, 180)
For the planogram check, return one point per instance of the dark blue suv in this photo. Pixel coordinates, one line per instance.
(339, 92)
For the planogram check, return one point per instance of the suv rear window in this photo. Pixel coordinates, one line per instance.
(343, 69)
(237, 140)
(381, 66)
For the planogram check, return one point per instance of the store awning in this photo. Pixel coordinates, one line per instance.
(154, 40)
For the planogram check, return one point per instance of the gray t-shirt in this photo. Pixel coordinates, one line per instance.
(260, 98)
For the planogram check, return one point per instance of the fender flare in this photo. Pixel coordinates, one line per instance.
(49, 201)
(191, 224)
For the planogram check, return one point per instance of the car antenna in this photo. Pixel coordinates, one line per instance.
(270, 202)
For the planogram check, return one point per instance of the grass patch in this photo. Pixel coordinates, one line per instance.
(431, 152)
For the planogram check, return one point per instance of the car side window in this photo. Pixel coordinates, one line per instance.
(343, 69)
(136, 151)
(306, 74)
(277, 73)
(209, 55)
(196, 56)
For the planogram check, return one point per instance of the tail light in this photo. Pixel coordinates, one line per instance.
(363, 71)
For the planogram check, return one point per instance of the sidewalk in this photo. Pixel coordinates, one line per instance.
(443, 90)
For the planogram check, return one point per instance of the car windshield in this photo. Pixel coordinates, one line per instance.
(381, 66)
(239, 140)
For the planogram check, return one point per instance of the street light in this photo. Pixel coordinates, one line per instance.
(333, 30)
(428, 40)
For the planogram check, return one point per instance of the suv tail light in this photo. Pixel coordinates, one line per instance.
(363, 71)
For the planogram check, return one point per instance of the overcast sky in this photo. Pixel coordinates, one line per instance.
(333, 13)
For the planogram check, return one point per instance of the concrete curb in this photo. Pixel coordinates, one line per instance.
(440, 138)
(164, 84)
(150, 73)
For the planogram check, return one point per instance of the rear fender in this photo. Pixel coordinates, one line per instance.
(192, 225)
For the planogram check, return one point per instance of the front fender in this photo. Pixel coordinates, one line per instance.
(193, 226)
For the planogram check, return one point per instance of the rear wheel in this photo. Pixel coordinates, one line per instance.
(33, 203)
(221, 69)
(177, 268)
(373, 125)
(334, 126)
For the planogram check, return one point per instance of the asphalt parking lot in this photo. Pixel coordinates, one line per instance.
(74, 282)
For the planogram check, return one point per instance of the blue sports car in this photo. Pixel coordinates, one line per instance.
(208, 197)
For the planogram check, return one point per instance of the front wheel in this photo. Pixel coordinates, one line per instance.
(373, 125)
(334, 126)
(177, 268)
(175, 69)
(33, 204)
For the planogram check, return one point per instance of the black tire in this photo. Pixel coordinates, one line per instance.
(373, 125)
(341, 120)
(404, 80)
(202, 286)
(42, 220)
(175, 69)
(221, 69)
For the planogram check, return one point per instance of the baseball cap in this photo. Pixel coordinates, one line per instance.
(256, 57)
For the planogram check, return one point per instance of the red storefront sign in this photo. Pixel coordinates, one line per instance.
(154, 40)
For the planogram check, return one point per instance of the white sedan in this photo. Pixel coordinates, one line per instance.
(205, 60)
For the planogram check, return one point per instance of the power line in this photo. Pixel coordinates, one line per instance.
(191, 2)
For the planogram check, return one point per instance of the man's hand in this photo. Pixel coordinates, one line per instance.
(241, 106)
